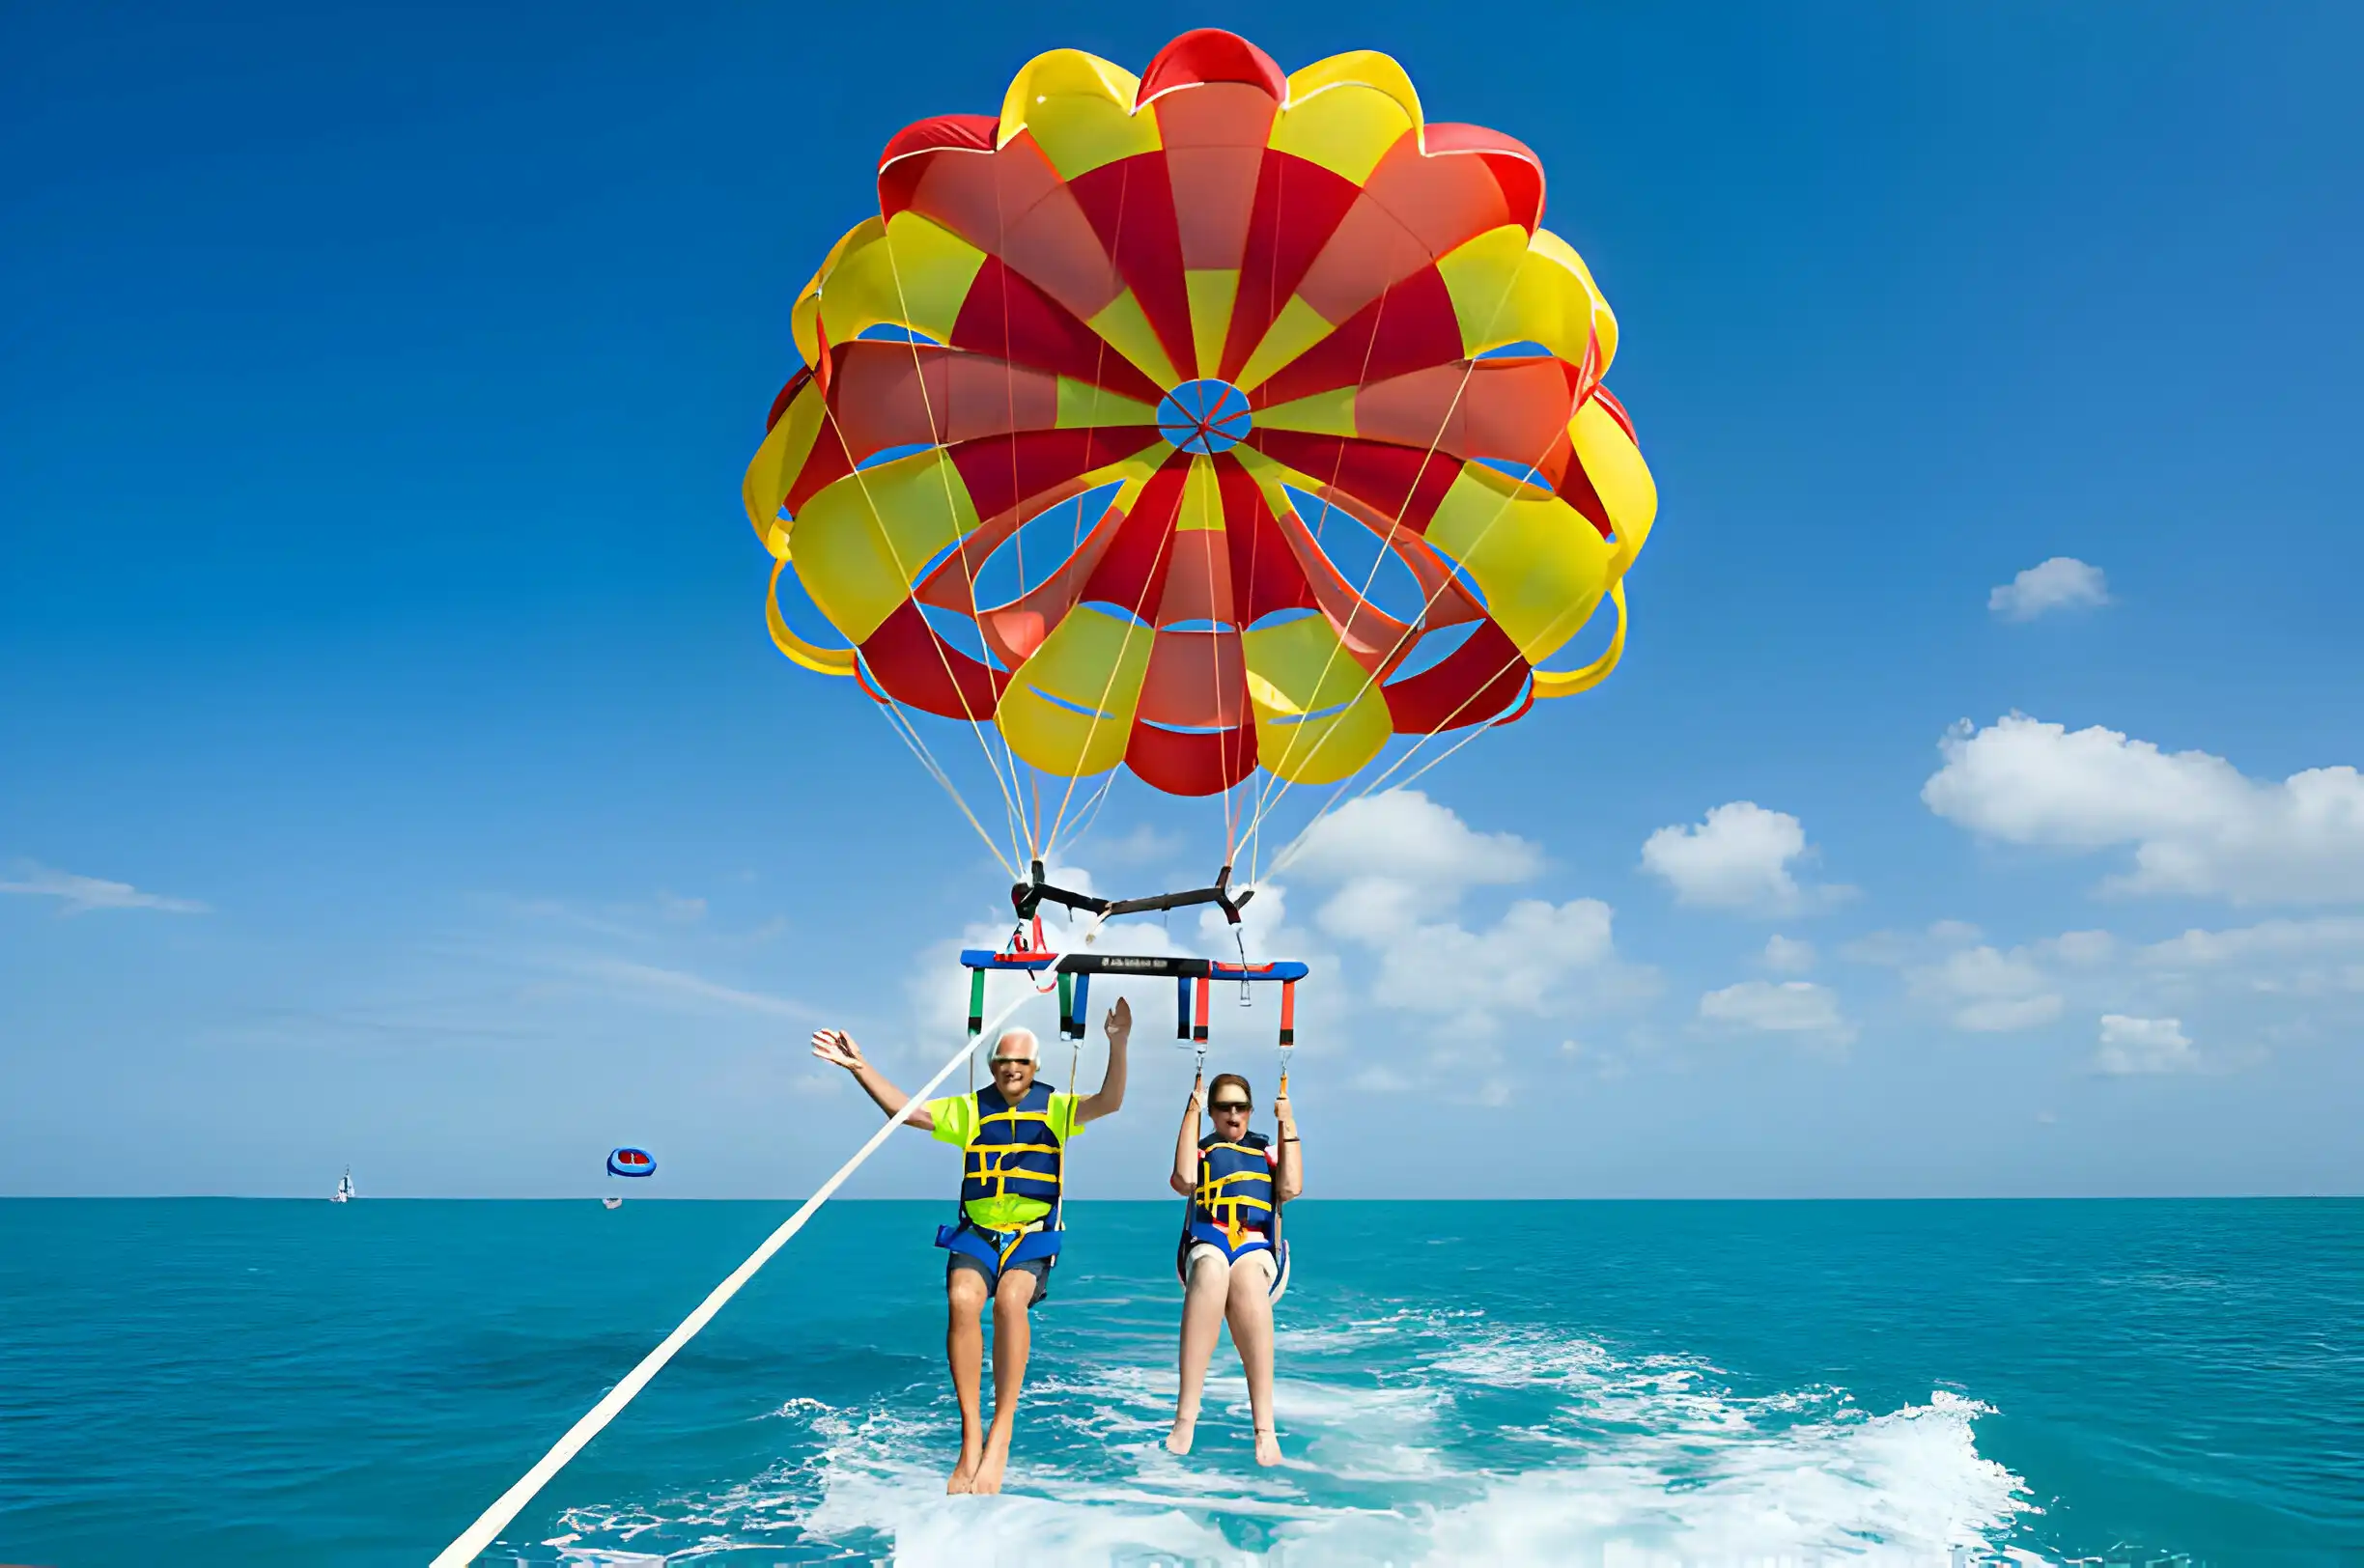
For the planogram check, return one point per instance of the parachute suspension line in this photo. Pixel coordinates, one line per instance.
(493, 1520)
(1009, 807)
(941, 435)
(1100, 708)
(1289, 850)
(1009, 404)
(1034, 789)
(1338, 468)
(1124, 186)
(1272, 284)
(1271, 796)
(1085, 817)
(1496, 723)
(891, 711)
(1215, 679)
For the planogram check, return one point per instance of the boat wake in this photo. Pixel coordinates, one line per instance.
(1414, 1438)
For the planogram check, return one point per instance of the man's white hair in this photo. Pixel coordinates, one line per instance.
(1018, 1037)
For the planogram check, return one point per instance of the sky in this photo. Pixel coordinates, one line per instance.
(395, 771)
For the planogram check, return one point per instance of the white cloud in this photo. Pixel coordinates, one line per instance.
(1518, 965)
(1738, 858)
(2197, 825)
(1400, 863)
(1261, 924)
(2006, 1014)
(1787, 955)
(1140, 846)
(2085, 949)
(1799, 1008)
(2294, 982)
(2062, 582)
(1986, 991)
(1895, 949)
(2269, 939)
(1385, 878)
(1404, 835)
(80, 895)
(2144, 1045)
(1605, 1065)
(2321, 958)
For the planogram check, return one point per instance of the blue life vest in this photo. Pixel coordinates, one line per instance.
(1232, 1207)
(1012, 1153)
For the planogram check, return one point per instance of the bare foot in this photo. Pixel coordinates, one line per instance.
(1268, 1447)
(988, 1482)
(1178, 1440)
(964, 1474)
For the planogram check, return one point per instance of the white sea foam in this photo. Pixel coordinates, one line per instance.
(1608, 1461)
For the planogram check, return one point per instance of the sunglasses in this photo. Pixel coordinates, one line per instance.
(1231, 1105)
(1009, 1061)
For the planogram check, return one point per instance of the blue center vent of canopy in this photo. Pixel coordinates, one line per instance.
(1204, 417)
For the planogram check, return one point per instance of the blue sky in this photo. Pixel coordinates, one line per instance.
(394, 769)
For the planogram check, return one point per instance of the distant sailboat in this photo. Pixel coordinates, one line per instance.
(345, 1188)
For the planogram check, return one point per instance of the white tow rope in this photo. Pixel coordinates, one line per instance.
(479, 1535)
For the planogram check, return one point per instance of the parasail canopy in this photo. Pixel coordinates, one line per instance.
(1203, 422)
(630, 1163)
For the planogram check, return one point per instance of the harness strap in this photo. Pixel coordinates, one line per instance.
(993, 1237)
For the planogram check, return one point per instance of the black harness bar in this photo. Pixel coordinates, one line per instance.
(1030, 896)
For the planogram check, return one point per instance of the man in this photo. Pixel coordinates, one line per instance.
(1012, 1135)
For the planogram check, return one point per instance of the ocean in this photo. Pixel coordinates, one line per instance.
(228, 1382)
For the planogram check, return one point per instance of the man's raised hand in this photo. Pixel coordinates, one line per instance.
(1119, 1023)
(836, 1048)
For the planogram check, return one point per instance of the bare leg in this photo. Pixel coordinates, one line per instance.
(1250, 1312)
(1202, 1315)
(965, 1349)
(1012, 1334)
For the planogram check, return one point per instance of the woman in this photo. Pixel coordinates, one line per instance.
(1236, 1181)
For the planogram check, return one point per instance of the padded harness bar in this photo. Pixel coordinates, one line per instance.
(1193, 978)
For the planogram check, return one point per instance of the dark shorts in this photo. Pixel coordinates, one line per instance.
(1039, 1267)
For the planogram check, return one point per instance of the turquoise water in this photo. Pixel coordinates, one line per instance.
(226, 1382)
